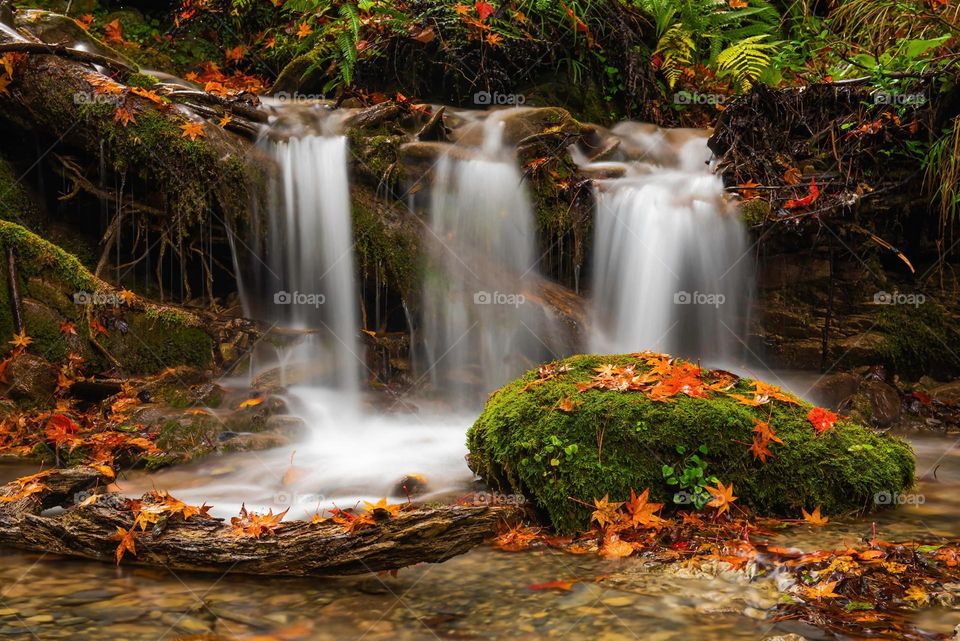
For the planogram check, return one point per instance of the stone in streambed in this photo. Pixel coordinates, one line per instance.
(523, 442)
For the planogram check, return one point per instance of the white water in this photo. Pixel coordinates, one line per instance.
(671, 270)
(661, 229)
(306, 277)
(480, 328)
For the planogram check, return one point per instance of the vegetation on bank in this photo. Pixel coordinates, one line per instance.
(593, 426)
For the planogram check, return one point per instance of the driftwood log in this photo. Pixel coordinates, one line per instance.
(206, 544)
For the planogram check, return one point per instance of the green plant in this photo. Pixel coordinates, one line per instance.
(942, 176)
(734, 41)
(690, 476)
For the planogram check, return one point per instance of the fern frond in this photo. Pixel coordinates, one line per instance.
(677, 49)
(745, 60)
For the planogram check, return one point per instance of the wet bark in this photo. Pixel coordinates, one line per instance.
(206, 544)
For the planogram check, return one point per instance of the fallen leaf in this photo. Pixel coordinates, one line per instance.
(722, 497)
(192, 130)
(821, 419)
(822, 590)
(814, 518)
(551, 585)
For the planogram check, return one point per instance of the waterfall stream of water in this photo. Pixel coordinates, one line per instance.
(479, 328)
(671, 270)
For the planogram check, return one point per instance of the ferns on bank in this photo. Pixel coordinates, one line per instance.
(735, 41)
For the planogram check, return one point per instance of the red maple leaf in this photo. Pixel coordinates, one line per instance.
(807, 200)
(484, 9)
(821, 419)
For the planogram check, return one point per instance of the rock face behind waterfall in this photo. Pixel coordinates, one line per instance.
(540, 436)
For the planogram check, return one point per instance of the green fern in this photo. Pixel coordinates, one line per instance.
(745, 60)
(677, 49)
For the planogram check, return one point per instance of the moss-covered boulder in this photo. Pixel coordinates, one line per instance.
(560, 447)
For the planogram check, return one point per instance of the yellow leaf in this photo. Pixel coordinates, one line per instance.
(814, 518)
(192, 130)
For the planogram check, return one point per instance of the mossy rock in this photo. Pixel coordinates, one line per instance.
(522, 444)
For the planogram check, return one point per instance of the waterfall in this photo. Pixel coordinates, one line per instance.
(479, 326)
(670, 266)
(306, 275)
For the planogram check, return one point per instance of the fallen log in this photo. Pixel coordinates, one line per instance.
(201, 543)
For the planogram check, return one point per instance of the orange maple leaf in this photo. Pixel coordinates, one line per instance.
(20, 341)
(606, 512)
(822, 590)
(123, 116)
(815, 518)
(304, 30)
(113, 31)
(192, 130)
(722, 497)
(128, 539)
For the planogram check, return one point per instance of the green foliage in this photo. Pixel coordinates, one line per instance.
(690, 477)
(942, 176)
(624, 439)
(734, 42)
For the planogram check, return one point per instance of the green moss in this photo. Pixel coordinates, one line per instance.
(15, 203)
(36, 256)
(754, 212)
(919, 338)
(153, 343)
(623, 439)
(143, 80)
(384, 245)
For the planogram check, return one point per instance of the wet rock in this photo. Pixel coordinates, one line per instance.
(864, 347)
(411, 485)
(31, 379)
(292, 427)
(247, 442)
(883, 402)
(836, 389)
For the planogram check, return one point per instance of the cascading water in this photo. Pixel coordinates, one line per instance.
(670, 270)
(479, 326)
(306, 275)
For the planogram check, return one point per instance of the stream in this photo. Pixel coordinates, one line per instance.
(484, 594)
